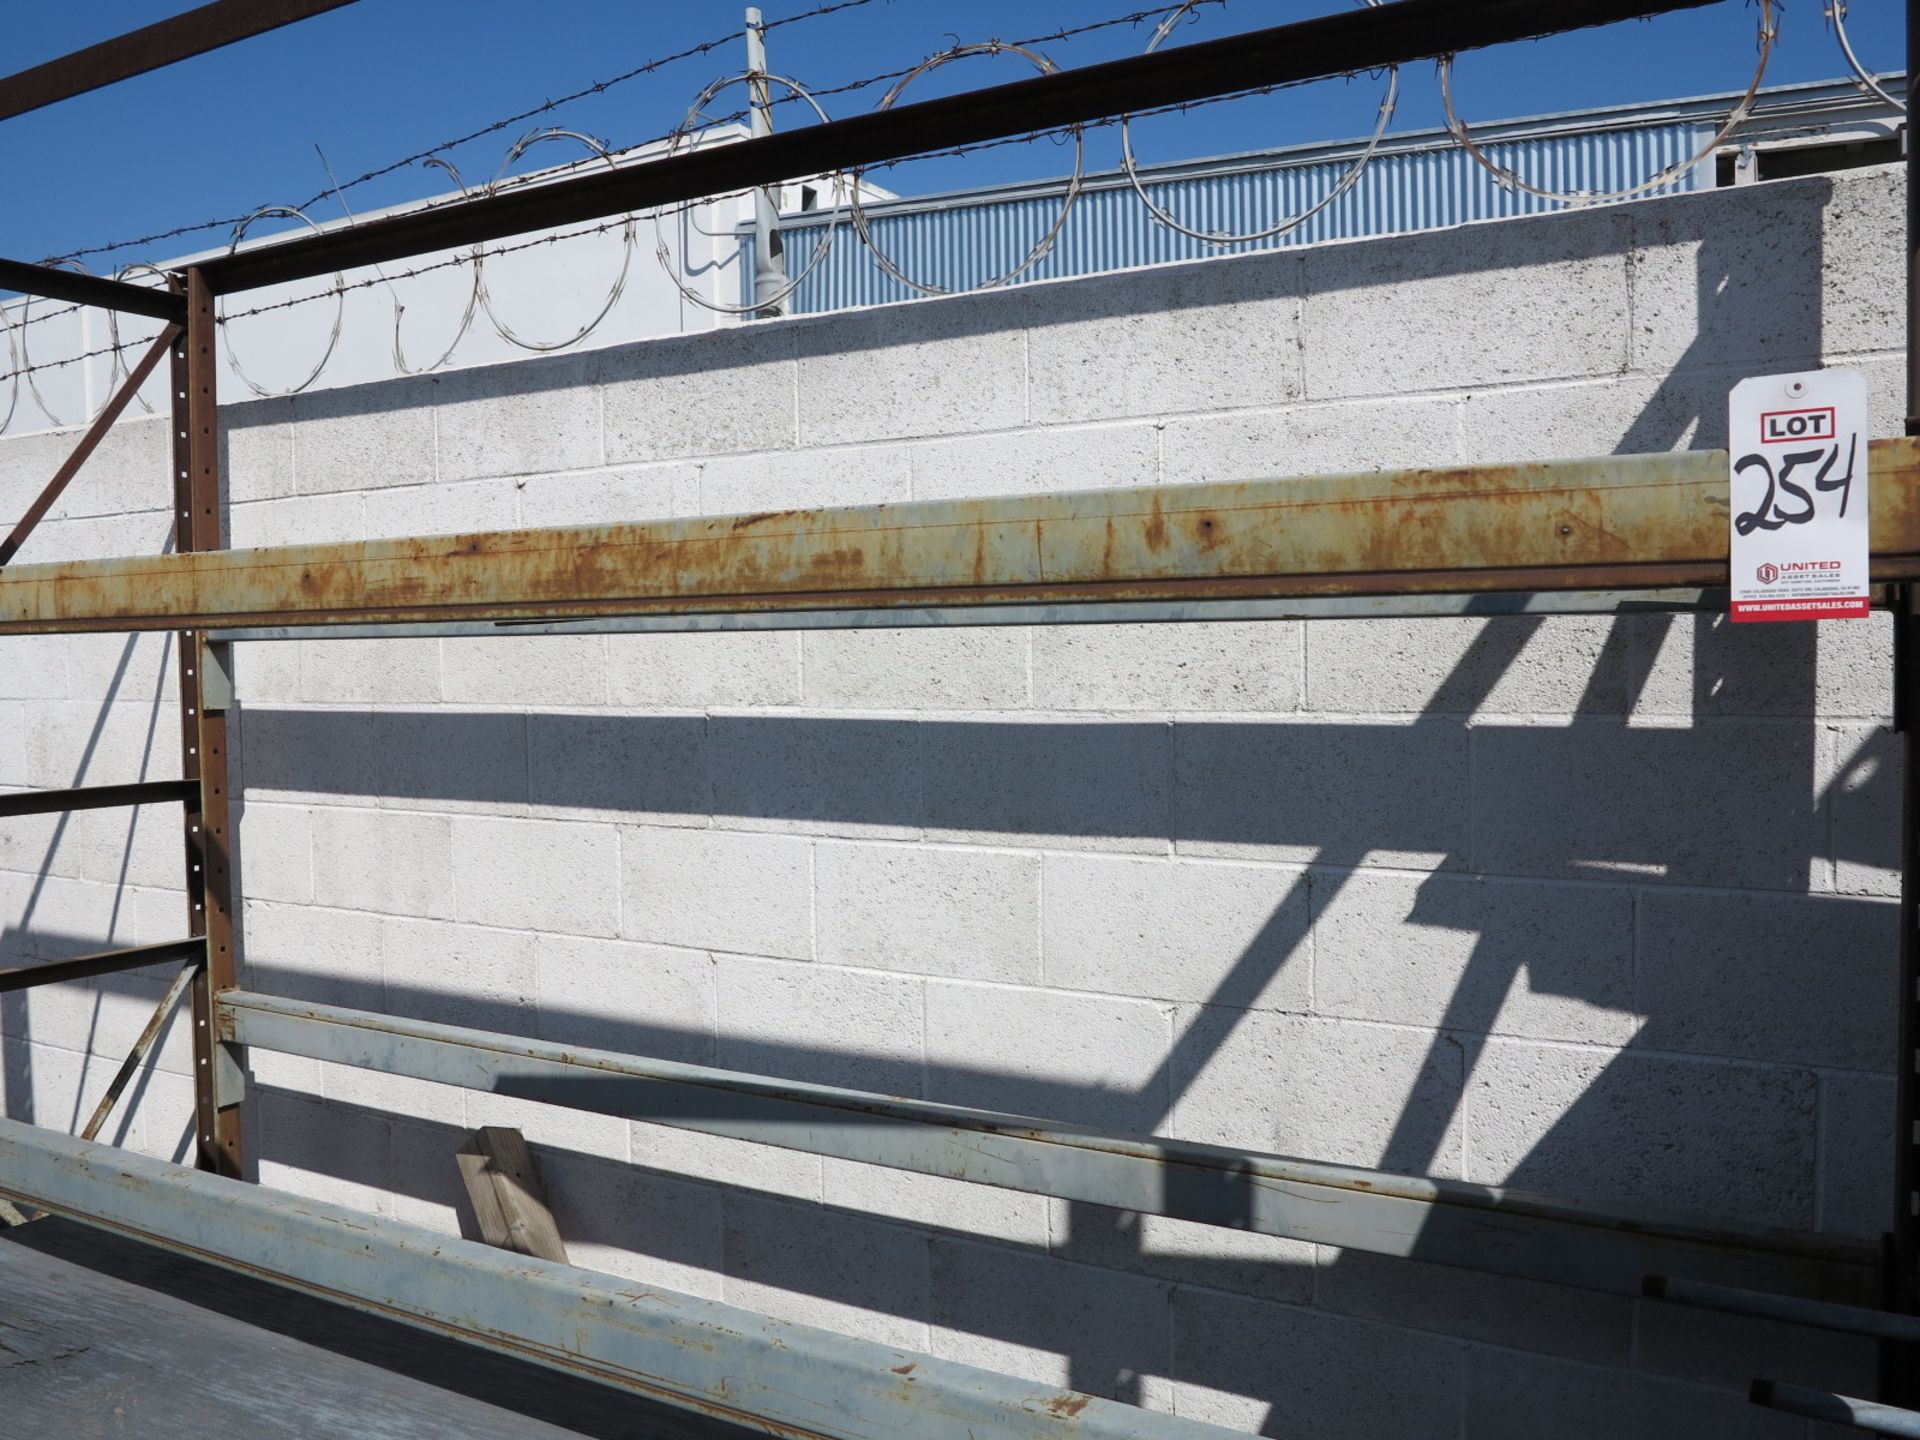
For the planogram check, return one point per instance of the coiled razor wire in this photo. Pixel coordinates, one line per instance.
(1510, 179)
(520, 147)
(473, 294)
(337, 290)
(13, 376)
(118, 370)
(25, 352)
(1163, 216)
(1045, 245)
(690, 129)
(1863, 77)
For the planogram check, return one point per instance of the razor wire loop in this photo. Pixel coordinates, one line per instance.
(13, 357)
(338, 290)
(1509, 179)
(690, 129)
(1389, 102)
(1862, 77)
(1044, 246)
(473, 295)
(24, 351)
(119, 370)
(599, 151)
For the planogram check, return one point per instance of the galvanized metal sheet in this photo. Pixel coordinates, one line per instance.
(1648, 521)
(1449, 1222)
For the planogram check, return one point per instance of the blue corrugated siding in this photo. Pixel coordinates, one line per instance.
(959, 245)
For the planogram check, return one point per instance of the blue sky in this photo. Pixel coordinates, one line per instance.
(223, 134)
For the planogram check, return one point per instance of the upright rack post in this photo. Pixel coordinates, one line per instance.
(203, 730)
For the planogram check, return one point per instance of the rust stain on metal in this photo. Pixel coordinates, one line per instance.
(1066, 1406)
(906, 1369)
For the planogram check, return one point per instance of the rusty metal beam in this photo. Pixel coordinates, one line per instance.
(1342, 43)
(79, 289)
(1619, 523)
(96, 432)
(152, 47)
(96, 797)
(104, 962)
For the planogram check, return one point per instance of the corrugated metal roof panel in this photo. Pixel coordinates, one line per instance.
(960, 242)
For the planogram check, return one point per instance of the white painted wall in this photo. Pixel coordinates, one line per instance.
(1594, 907)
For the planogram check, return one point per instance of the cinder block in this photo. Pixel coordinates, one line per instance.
(633, 999)
(164, 1118)
(738, 1164)
(1081, 785)
(1280, 1370)
(537, 875)
(1327, 1090)
(1393, 433)
(706, 890)
(1465, 953)
(1563, 665)
(364, 436)
(1084, 457)
(823, 775)
(525, 670)
(952, 1207)
(1320, 791)
(330, 956)
(109, 666)
(818, 1023)
(1243, 1261)
(804, 480)
(1475, 1305)
(604, 497)
(1645, 1132)
(1729, 1350)
(643, 1227)
(1795, 979)
(1510, 1395)
(1860, 305)
(580, 1132)
(1595, 799)
(108, 537)
(442, 509)
(519, 419)
(1439, 311)
(1856, 1155)
(15, 771)
(58, 1088)
(983, 669)
(1179, 930)
(256, 449)
(887, 373)
(291, 755)
(1864, 791)
(1521, 422)
(332, 518)
(1218, 335)
(426, 1180)
(79, 742)
(471, 762)
(400, 1097)
(827, 1268)
(694, 672)
(380, 672)
(53, 918)
(392, 862)
(971, 914)
(720, 393)
(1702, 665)
(127, 472)
(1044, 1319)
(33, 667)
(274, 860)
(620, 767)
(1229, 666)
(323, 1151)
(1091, 1059)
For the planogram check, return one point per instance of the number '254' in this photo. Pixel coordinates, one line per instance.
(1771, 513)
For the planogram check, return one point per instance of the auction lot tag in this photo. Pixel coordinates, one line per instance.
(1798, 447)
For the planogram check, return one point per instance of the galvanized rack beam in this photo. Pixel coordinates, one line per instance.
(1619, 523)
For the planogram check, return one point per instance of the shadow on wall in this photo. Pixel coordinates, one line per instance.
(1684, 814)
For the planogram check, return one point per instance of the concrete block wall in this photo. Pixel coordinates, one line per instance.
(1593, 907)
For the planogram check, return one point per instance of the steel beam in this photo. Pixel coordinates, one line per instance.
(1342, 43)
(1624, 522)
(700, 1355)
(1449, 1222)
(1842, 1410)
(1788, 1309)
(165, 42)
(96, 797)
(104, 962)
(52, 283)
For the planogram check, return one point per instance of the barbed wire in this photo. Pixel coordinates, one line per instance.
(1165, 16)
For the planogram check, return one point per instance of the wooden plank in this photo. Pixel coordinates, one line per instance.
(508, 1199)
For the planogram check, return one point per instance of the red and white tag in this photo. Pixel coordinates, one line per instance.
(1798, 449)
